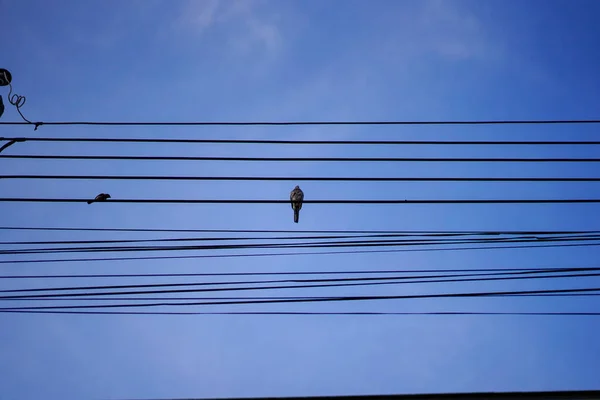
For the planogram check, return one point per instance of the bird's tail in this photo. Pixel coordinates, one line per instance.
(90, 201)
(296, 215)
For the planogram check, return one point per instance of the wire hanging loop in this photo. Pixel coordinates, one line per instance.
(15, 99)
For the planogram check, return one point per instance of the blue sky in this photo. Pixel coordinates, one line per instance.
(303, 60)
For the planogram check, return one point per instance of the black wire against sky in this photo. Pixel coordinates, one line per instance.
(288, 123)
(304, 273)
(211, 298)
(306, 201)
(303, 178)
(365, 239)
(300, 142)
(314, 300)
(304, 159)
(306, 313)
(339, 231)
(296, 245)
(300, 283)
(438, 237)
(337, 252)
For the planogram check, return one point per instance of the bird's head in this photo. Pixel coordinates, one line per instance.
(107, 196)
(297, 187)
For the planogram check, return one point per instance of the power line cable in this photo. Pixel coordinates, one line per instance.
(300, 142)
(338, 244)
(300, 123)
(296, 178)
(430, 278)
(436, 238)
(252, 288)
(264, 201)
(364, 313)
(304, 159)
(165, 298)
(312, 300)
(66, 260)
(292, 273)
(341, 231)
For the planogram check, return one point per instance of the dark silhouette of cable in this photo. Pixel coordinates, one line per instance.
(65, 260)
(341, 231)
(413, 279)
(310, 300)
(293, 273)
(251, 288)
(303, 159)
(345, 201)
(301, 142)
(10, 143)
(212, 238)
(303, 178)
(289, 123)
(203, 298)
(305, 245)
(441, 238)
(365, 313)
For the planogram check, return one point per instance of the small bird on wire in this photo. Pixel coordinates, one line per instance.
(100, 197)
(296, 198)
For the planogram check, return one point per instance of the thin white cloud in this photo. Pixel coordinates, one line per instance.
(248, 26)
(451, 31)
(200, 14)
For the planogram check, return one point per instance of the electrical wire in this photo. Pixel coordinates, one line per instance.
(252, 288)
(414, 279)
(293, 273)
(18, 101)
(304, 159)
(289, 123)
(301, 142)
(329, 244)
(66, 260)
(340, 231)
(364, 313)
(312, 300)
(294, 178)
(165, 298)
(440, 237)
(264, 201)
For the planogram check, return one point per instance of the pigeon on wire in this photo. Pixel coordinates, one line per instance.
(100, 197)
(296, 198)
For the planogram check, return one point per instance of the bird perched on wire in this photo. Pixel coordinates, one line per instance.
(100, 197)
(296, 198)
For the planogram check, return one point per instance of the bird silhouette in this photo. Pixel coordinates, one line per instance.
(296, 198)
(100, 197)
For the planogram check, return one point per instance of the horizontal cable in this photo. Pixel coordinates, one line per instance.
(480, 276)
(341, 231)
(314, 300)
(365, 313)
(301, 142)
(211, 298)
(302, 159)
(436, 237)
(287, 123)
(65, 260)
(328, 244)
(257, 201)
(312, 283)
(284, 178)
(348, 272)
